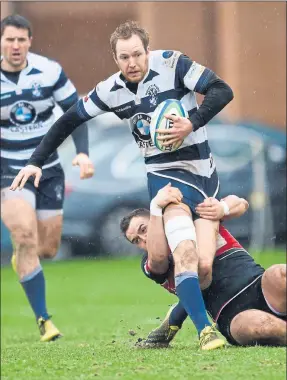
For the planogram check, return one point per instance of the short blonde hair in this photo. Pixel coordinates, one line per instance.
(126, 31)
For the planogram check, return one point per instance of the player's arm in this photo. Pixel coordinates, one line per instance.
(217, 93)
(230, 207)
(157, 246)
(235, 206)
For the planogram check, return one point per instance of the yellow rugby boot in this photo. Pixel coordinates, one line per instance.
(48, 330)
(13, 258)
(209, 340)
(162, 335)
(13, 262)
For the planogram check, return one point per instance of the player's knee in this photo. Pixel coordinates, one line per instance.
(205, 268)
(277, 273)
(49, 251)
(282, 274)
(24, 237)
(205, 274)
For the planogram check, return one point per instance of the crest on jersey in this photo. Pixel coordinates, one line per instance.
(36, 90)
(167, 54)
(152, 92)
(141, 131)
(59, 192)
(22, 113)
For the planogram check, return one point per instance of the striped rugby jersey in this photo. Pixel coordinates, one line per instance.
(171, 75)
(27, 108)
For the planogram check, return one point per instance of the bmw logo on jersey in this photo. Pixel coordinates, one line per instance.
(22, 113)
(141, 130)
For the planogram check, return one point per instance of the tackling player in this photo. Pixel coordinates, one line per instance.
(146, 78)
(31, 85)
(247, 302)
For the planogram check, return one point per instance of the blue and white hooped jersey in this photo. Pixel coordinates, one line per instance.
(171, 75)
(27, 108)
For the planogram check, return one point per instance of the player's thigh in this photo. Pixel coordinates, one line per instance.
(49, 233)
(50, 199)
(274, 288)
(206, 237)
(255, 326)
(19, 216)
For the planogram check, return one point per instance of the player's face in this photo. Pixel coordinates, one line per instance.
(137, 231)
(15, 44)
(132, 59)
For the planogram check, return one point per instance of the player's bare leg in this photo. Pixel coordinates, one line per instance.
(206, 236)
(252, 327)
(49, 235)
(274, 288)
(20, 218)
(181, 236)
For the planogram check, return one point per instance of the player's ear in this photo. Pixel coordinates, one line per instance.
(30, 40)
(115, 58)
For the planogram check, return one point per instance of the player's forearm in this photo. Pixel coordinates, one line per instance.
(237, 206)
(81, 140)
(57, 134)
(79, 135)
(217, 95)
(157, 245)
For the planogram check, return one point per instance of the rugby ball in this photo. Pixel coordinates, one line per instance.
(158, 121)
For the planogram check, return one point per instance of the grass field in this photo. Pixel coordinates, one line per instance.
(96, 304)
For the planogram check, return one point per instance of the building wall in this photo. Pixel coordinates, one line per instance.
(243, 42)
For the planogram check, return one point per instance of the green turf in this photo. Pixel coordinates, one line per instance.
(96, 303)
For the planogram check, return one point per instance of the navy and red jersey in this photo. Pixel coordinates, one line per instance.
(225, 242)
(233, 270)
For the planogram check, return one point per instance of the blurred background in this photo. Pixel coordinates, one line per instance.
(243, 42)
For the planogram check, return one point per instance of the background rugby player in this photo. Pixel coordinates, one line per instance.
(146, 78)
(31, 85)
(247, 302)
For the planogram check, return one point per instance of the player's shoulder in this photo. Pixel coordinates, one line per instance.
(44, 63)
(164, 58)
(105, 88)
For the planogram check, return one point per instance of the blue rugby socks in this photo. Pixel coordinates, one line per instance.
(34, 287)
(189, 293)
(177, 316)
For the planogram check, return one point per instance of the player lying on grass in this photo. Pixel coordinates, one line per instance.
(247, 303)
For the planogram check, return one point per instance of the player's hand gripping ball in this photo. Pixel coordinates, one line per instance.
(159, 121)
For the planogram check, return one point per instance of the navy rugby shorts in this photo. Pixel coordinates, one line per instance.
(51, 191)
(251, 298)
(194, 188)
(236, 287)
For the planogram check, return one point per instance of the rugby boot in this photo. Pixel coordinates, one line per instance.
(13, 258)
(13, 262)
(48, 330)
(209, 340)
(162, 335)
